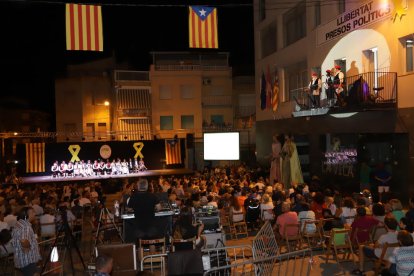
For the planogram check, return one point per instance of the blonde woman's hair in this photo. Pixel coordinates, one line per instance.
(266, 198)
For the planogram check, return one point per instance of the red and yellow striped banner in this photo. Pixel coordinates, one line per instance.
(202, 22)
(84, 28)
(35, 157)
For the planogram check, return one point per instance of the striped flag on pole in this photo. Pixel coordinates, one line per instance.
(172, 152)
(84, 28)
(202, 22)
(35, 157)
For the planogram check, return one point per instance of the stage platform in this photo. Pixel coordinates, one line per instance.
(148, 173)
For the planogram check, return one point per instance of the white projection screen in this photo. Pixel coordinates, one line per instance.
(222, 146)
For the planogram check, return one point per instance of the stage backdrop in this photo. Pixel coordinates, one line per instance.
(157, 154)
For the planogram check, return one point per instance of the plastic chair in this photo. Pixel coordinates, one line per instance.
(340, 240)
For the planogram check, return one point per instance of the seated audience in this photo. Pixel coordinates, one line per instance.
(361, 223)
(287, 217)
(374, 252)
(184, 228)
(401, 260)
(103, 264)
(307, 215)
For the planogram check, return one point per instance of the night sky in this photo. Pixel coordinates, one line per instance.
(33, 47)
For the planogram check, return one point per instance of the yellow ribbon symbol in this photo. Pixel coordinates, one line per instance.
(74, 150)
(138, 147)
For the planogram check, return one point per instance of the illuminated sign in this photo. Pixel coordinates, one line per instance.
(366, 14)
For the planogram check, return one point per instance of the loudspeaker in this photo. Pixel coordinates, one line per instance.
(190, 140)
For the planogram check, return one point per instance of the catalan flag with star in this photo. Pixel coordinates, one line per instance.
(202, 22)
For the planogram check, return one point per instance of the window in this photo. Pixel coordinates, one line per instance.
(341, 6)
(268, 41)
(317, 13)
(165, 92)
(187, 121)
(217, 119)
(101, 128)
(409, 43)
(187, 91)
(262, 10)
(296, 79)
(294, 22)
(166, 122)
(90, 129)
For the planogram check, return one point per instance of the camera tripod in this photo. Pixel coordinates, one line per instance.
(69, 242)
(105, 213)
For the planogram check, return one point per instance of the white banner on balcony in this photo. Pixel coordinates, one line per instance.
(353, 19)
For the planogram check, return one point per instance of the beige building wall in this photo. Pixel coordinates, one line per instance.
(193, 92)
(80, 108)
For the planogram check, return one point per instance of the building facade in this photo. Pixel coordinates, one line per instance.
(372, 42)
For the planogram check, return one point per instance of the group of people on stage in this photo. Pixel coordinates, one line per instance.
(97, 168)
(334, 88)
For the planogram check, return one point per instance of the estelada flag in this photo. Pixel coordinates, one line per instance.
(172, 151)
(84, 28)
(202, 22)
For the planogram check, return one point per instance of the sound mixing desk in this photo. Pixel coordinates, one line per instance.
(161, 219)
(210, 217)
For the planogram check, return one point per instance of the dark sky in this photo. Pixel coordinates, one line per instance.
(33, 40)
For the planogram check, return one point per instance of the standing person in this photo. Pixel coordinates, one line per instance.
(338, 82)
(295, 168)
(329, 88)
(315, 86)
(286, 154)
(275, 162)
(26, 254)
(382, 179)
(144, 204)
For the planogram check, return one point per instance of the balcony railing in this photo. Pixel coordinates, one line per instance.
(371, 90)
(190, 67)
(122, 75)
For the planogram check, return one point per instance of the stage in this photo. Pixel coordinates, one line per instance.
(148, 173)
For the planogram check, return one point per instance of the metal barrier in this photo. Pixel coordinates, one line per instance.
(155, 262)
(293, 263)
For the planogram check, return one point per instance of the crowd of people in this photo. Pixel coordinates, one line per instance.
(97, 168)
(239, 193)
(242, 197)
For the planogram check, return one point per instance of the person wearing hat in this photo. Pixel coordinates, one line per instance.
(329, 88)
(338, 82)
(315, 86)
